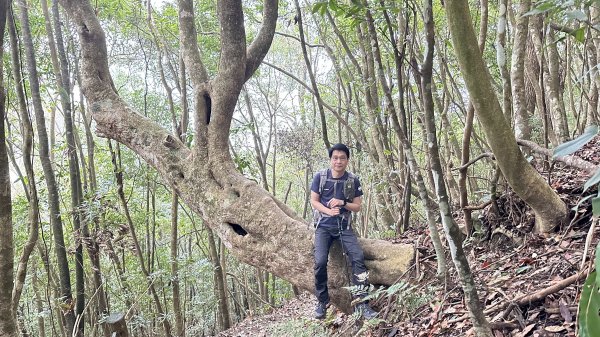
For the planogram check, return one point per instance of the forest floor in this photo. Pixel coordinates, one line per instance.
(529, 284)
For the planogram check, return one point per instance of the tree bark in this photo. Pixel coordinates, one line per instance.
(553, 88)
(8, 324)
(220, 282)
(31, 188)
(501, 59)
(61, 70)
(517, 74)
(522, 177)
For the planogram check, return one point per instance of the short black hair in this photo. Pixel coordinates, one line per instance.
(339, 147)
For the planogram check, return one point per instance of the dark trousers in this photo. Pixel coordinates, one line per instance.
(324, 237)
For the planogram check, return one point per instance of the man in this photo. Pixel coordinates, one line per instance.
(335, 194)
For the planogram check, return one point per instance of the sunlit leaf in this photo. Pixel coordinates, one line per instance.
(589, 320)
(579, 34)
(319, 7)
(576, 207)
(571, 146)
(596, 206)
(597, 264)
(595, 179)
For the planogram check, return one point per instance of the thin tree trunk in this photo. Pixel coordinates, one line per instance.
(517, 74)
(179, 323)
(559, 119)
(179, 326)
(31, 190)
(8, 324)
(453, 234)
(61, 71)
(53, 198)
(38, 303)
(311, 75)
(550, 211)
(223, 307)
(501, 59)
(119, 177)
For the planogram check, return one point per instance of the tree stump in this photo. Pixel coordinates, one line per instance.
(117, 325)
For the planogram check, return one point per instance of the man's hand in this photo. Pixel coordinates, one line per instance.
(335, 203)
(333, 211)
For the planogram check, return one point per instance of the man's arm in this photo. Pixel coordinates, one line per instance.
(316, 204)
(353, 206)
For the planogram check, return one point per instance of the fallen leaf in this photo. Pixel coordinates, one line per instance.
(554, 328)
(526, 330)
(565, 312)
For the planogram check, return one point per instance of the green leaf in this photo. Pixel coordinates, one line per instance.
(576, 207)
(597, 264)
(522, 269)
(534, 11)
(576, 14)
(579, 34)
(596, 209)
(592, 181)
(571, 146)
(319, 7)
(589, 304)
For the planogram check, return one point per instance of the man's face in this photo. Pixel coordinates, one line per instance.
(339, 161)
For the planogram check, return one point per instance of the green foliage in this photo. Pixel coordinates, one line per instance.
(570, 147)
(592, 181)
(568, 12)
(354, 10)
(589, 305)
(406, 297)
(299, 327)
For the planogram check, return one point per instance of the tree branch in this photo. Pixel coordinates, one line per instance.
(473, 161)
(260, 46)
(197, 72)
(114, 119)
(298, 39)
(572, 161)
(327, 106)
(189, 43)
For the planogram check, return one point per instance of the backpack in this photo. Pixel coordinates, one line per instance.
(349, 193)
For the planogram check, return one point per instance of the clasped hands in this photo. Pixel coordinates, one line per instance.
(334, 206)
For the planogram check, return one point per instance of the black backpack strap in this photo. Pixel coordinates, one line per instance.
(322, 180)
(318, 216)
(350, 187)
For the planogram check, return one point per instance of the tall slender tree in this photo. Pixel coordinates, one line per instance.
(49, 176)
(27, 148)
(7, 315)
(453, 234)
(522, 177)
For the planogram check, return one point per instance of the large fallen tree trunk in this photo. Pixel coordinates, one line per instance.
(257, 228)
